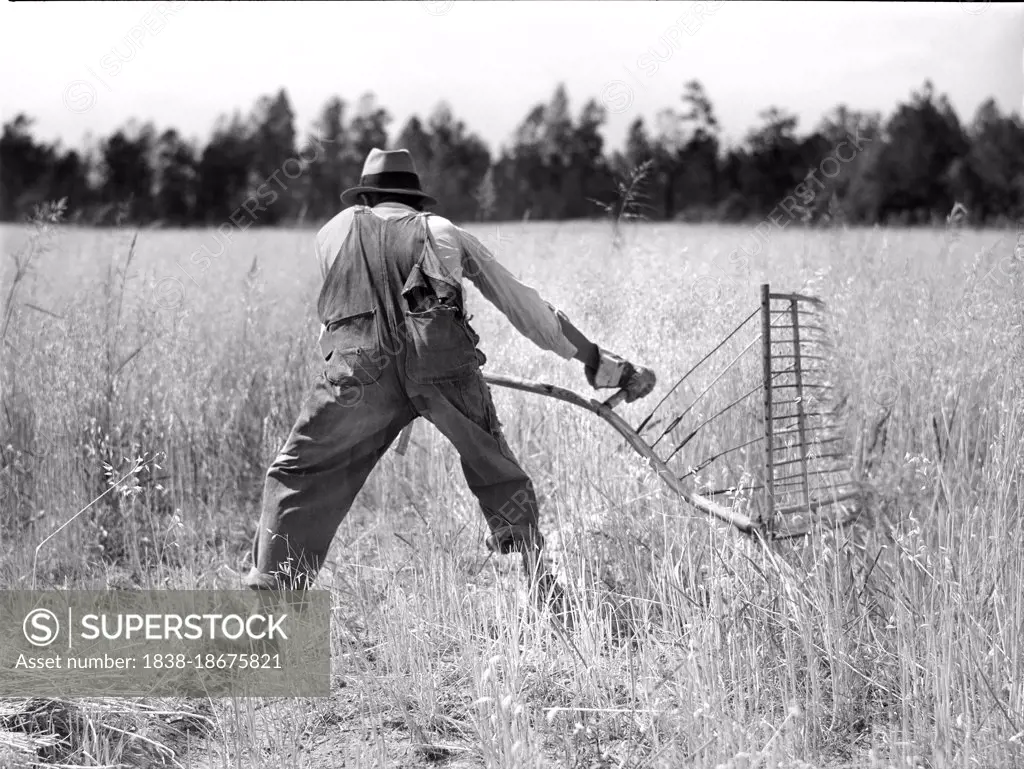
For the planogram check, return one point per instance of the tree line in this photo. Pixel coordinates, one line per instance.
(913, 167)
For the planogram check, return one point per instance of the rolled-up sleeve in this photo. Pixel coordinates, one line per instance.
(531, 316)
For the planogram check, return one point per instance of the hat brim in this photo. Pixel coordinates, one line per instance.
(348, 197)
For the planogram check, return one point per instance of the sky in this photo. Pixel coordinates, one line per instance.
(81, 68)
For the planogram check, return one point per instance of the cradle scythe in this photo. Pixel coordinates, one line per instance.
(799, 423)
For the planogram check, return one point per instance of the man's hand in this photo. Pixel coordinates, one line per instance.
(615, 371)
(640, 384)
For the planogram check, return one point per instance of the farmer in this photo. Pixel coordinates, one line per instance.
(398, 345)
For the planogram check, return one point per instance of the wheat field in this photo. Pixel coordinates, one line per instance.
(895, 643)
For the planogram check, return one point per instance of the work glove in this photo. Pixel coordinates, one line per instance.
(615, 371)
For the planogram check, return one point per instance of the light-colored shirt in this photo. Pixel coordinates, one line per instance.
(465, 256)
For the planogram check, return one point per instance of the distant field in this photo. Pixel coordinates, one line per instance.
(896, 645)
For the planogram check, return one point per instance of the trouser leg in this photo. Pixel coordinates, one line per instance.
(335, 443)
(463, 411)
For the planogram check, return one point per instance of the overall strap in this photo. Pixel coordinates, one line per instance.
(387, 290)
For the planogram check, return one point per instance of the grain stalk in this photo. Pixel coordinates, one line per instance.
(629, 202)
(44, 220)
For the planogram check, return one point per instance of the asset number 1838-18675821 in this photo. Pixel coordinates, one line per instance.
(212, 661)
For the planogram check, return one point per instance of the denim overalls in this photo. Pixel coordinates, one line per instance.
(397, 346)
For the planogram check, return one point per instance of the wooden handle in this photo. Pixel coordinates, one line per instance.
(737, 519)
(616, 399)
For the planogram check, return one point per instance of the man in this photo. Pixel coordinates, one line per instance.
(398, 346)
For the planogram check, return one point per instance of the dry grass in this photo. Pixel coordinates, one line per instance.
(892, 645)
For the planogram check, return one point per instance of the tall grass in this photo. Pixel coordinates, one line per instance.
(892, 644)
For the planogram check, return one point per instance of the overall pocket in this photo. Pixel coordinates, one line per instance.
(352, 350)
(439, 347)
